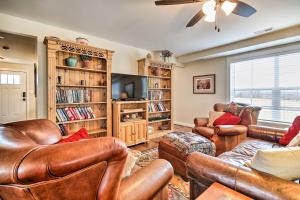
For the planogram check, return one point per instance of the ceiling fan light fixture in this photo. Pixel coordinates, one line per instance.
(228, 7)
(209, 7)
(210, 18)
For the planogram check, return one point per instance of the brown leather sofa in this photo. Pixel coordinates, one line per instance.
(229, 169)
(34, 167)
(227, 137)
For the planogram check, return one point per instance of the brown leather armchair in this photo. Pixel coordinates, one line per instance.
(229, 169)
(227, 137)
(33, 166)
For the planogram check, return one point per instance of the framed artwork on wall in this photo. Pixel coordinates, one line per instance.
(204, 84)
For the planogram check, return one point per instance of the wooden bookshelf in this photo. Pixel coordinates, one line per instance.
(94, 81)
(159, 93)
(131, 130)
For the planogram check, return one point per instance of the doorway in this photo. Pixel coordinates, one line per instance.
(17, 77)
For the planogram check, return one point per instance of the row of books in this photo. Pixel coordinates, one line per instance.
(74, 113)
(63, 129)
(155, 95)
(156, 107)
(73, 95)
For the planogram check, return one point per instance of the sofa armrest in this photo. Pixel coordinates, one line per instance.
(53, 161)
(200, 121)
(266, 133)
(258, 185)
(147, 182)
(230, 130)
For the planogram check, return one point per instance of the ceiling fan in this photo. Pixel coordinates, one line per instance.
(211, 9)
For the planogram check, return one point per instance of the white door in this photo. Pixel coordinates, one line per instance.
(13, 96)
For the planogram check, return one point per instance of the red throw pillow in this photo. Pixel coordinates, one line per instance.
(79, 135)
(227, 119)
(291, 133)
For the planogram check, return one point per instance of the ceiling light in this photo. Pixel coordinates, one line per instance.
(228, 7)
(210, 18)
(209, 7)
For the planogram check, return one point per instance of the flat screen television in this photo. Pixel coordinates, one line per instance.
(134, 86)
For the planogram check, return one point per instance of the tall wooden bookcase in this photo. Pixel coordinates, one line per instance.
(94, 80)
(160, 105)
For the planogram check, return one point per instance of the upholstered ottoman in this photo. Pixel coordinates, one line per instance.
(176, 146)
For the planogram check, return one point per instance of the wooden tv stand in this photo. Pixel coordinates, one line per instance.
(132, 130)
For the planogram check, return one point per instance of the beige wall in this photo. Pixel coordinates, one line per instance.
(124, 59)
(188, 105)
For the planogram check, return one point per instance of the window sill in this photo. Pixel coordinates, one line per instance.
(273, 124)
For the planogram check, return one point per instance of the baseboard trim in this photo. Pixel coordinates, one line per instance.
(184, 124)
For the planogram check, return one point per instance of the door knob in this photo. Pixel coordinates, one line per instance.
(24, 96)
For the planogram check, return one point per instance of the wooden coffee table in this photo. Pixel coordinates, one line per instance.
(220, 192)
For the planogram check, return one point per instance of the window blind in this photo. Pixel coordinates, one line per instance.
(271, 82)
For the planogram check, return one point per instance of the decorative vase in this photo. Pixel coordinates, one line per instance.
(71, 62)
(81, 40)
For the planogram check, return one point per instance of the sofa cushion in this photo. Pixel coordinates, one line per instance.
(227, 119)
(291, 133)
(79, 135)
(280, 162)
(245, 151)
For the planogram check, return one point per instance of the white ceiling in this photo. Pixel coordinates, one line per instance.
(141, 24)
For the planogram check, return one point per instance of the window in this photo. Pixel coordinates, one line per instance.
(10, 79)
(271, 82)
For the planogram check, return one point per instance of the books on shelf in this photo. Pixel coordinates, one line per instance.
(156, 107)
(73, 95)
(155, 95)
(64, 129)
(74, 113)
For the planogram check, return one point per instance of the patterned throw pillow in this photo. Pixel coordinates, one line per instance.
(232, 108)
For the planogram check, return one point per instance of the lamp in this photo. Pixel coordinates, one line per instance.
(211, 17)
(209, 9)
(228, 7)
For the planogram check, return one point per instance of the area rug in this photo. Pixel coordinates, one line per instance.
(178, 188)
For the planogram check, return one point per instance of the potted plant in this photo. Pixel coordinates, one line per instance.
(166, 55)
(86, 61)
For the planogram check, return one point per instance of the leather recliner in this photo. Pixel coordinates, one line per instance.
(217, 134)
(34, 167)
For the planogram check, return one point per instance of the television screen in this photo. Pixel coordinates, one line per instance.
(135, 87)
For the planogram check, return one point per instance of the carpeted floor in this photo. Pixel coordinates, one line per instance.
(178, 188)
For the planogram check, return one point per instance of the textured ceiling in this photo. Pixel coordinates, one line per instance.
(141, 24)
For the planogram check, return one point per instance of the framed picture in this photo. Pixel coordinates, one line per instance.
(205, 84)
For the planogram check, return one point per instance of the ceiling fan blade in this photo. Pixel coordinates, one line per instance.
(243, 9)
(173, 2)
(195, 19)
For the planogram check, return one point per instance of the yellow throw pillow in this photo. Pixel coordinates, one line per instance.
(280, 162)
(213, 115)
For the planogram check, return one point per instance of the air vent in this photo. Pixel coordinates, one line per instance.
(264, 31)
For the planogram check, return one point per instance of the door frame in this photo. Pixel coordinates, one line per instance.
(27, 86)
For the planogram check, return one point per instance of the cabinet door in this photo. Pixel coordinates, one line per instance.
(140, 130)
(127, 133)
